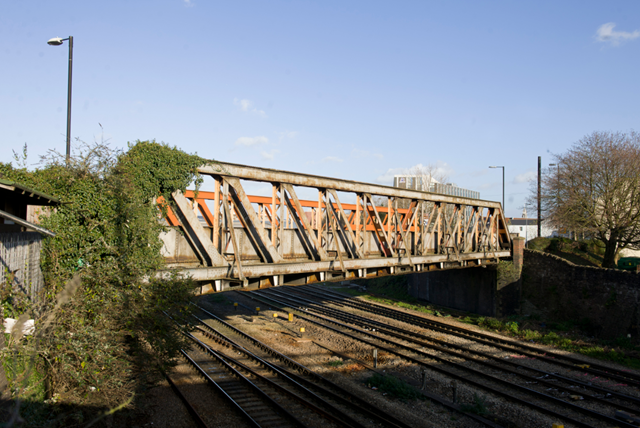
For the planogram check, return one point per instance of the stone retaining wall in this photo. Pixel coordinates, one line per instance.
(604, 301)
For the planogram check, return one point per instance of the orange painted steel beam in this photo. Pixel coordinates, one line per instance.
(264, 200)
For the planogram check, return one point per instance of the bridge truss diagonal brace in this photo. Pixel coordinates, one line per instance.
(228, 222)
(379, 227)
(303, 225)
(253, 217)
(350, 236)
(405, 239)
(199, 237)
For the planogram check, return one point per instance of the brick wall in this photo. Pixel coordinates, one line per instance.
(605, 301)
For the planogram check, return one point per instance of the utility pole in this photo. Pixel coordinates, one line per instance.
(539, 194)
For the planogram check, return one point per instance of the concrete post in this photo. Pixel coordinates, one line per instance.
(517, 252)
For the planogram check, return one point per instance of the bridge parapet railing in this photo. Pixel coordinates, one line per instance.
(351, 227)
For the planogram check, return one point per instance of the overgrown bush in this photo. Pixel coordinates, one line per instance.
(101, 332)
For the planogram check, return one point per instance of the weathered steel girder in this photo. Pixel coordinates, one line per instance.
(277, 238)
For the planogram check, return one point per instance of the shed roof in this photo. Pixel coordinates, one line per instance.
(27, 195)
(25, 223)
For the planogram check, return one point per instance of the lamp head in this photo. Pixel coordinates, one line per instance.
(56, 41)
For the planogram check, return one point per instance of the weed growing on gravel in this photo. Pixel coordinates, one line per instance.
(478, 407)
(467, 320)
(490, 323)
(531, 334)
(394, 387)
(512, 327)
(335, 363)
(552, 338)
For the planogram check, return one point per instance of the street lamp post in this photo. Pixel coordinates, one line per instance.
(502, 184)
(57, 41)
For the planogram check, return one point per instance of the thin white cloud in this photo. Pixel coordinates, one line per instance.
(442, 169)
(478, 172)
(486, 186)
(606, 34)
(251, 141)
(331, 159)
(269, 155)
(363, 154)
(524, 177)
(287, 134)
(247, 106)
(387, 177)
(187, 3)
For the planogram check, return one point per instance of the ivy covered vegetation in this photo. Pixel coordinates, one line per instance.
(100, 328)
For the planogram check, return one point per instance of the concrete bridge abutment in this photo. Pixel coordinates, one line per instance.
(490, 290)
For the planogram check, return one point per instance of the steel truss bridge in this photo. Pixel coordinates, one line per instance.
(231, 237)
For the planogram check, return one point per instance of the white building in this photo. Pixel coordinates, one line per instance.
(527, 228)
(409, 181)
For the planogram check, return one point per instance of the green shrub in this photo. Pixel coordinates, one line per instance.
(102, 331)
(552, 338)
(467, 320)
(512, 327)
(531, 334)
(490, 323)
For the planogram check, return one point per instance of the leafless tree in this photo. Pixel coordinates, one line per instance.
(425, 175)
(595, 189)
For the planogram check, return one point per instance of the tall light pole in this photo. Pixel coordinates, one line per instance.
(57, 41)
(502, 185)
(539, 196)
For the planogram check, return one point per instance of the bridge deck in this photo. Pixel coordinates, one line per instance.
(271, 240)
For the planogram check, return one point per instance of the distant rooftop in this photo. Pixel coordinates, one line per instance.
(408, 181)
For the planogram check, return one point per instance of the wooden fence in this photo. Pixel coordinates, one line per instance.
(20, 262)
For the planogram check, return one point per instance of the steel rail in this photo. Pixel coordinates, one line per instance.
(256, 412)
(192, 411)
(318, 379)
(366, 408)
(338, 417)
(497, 345)
(219, 388)
(539, 395)
(426, 341)
(593, 368)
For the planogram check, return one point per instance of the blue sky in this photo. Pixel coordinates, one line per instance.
(351, 89)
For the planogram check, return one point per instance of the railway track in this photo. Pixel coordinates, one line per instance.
(222, 350)
(502, 343)
(544, 391)
(225, 375)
